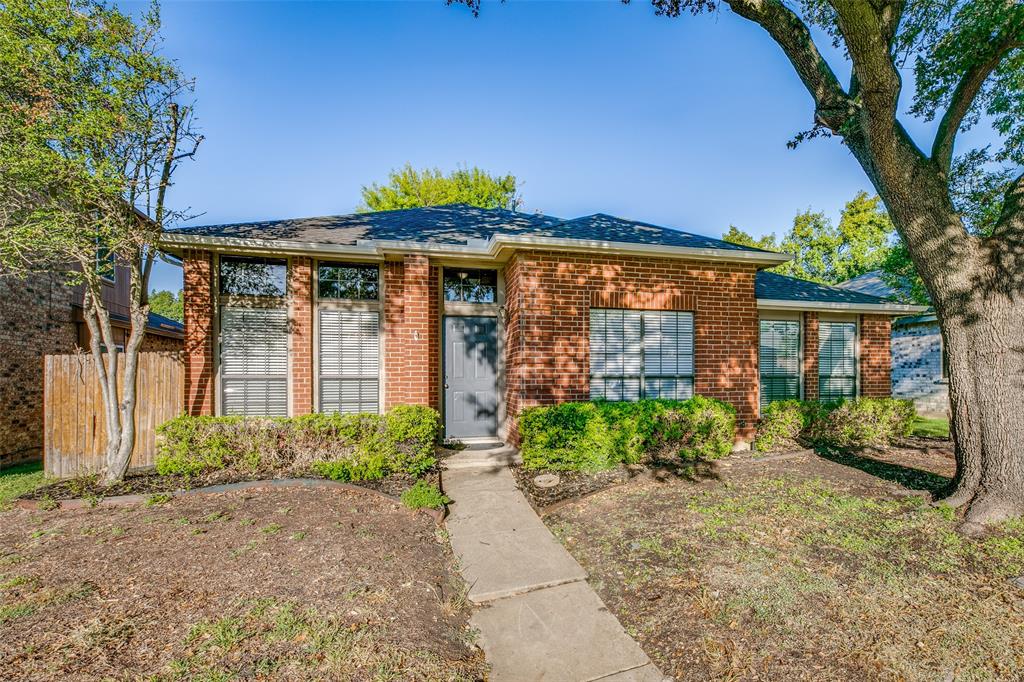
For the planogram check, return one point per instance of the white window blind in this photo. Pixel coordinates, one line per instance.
(837, 360)
(254, 361)
(779, 360)
(349, 361)
(640, 354)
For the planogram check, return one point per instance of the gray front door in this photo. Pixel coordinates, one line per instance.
(470, 368)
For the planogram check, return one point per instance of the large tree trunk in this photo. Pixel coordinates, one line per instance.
(985, 348)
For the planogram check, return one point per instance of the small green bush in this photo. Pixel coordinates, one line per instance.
(841, 423)
(863, 421)
(423, 495)
(696, 429)
(782, 422)
(592, 436)
(348, 447)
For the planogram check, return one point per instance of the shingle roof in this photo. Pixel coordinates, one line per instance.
(870, 283)
(159, 322)
(775, 287)
(455, 224)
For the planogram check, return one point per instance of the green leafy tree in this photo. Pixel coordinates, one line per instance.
(168, 304)
(967, 58)
(735, 235)
(827, 253)
(411, 188)
(92, 128)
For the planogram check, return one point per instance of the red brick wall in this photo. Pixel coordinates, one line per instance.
(549, 296)
(198, 305)
(155, 342)
(411, 332)
(36, 318)
(300, 325)
(875, 358)
(811, 356)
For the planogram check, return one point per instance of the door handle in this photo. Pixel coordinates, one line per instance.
(446, 385)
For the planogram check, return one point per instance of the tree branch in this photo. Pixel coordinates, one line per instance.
(1011, 217)
(833, 106)
(963, 97)
(868, 33)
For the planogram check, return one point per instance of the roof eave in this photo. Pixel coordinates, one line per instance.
(836, 307)
(491, 248)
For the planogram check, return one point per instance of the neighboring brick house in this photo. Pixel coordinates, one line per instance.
(482, 313)
(41, 315)
(918, 359)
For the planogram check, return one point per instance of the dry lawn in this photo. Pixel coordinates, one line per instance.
(284, 584)
(803, 570)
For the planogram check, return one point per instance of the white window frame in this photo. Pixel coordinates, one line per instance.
(789, 317)
(341, 304)
(841, 319)
(641, 375)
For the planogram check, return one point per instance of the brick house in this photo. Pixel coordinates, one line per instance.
(482, 313)
(41, 315)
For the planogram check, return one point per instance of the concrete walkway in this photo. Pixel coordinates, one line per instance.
(538, 618)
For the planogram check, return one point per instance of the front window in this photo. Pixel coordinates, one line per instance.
(466, 285)
(641, 354)
(837, 360)
(242, 276)
(779, 360)
(349, 281)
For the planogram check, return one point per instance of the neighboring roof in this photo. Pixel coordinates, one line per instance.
(159, 323)
(775, 290)
(460, 229)
(870, 283)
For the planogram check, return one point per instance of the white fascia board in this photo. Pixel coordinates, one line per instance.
(877, 308)
(180, 241)
(476, 248)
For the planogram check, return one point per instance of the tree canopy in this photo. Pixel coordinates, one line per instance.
(411, 188)
(829, 253)
(168, 304)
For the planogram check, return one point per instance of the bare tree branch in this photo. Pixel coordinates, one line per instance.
(833, 106)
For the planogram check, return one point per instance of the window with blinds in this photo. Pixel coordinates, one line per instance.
(779, 360)
(349, 361)
(837, 360)
(640, 354)
(254, 361)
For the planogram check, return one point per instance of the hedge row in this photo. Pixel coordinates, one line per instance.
(841, 423)
(344, 447)
(591, 436)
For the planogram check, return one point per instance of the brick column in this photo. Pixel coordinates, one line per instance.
(875, 358)
(810, 356)
(199, 308)
(408, 312)
(300, 327)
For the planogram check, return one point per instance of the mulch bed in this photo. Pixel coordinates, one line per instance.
(147, 483)
(572, 484)
(114, 593)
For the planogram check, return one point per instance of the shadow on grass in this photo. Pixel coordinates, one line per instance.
(694, 472)
(908, 477)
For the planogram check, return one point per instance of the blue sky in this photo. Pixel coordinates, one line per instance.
(594, 106)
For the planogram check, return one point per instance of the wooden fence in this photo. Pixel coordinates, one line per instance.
(74, 427)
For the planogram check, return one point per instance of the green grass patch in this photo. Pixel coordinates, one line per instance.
(18, 480)
(930, 428)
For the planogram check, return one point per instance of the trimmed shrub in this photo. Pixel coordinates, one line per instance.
(347, 447)
(568, 436)
(863, 421)
(423, 495)
(696, 429)
(781, 424)
(841, 423)
(592, 436)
